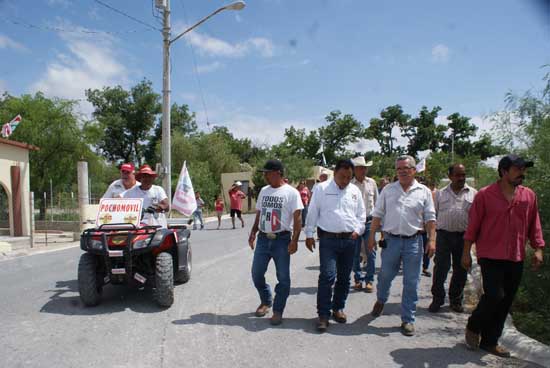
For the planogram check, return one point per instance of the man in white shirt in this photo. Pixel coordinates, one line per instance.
(369, 191)
(338, 212)
(404, 207)
(452, 205)
(278, 219)
(155, 201)
(127, 181)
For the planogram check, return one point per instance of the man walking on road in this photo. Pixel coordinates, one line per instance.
(337, 209)
(404, 208)
(369, 193)
(127, 181)
(504, 215)
(236, 197)
(278, 213)
(452, 204)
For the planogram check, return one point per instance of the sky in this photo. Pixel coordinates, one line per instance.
(278, 63)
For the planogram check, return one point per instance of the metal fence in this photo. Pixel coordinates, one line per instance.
(60, 206)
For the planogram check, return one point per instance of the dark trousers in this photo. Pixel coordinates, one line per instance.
(425, 256)
(448, 251)
(336, 261)
(501, 280)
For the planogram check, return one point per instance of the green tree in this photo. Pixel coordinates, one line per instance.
(125, 119)
(51, 125)
(181, 120)
(381, 129)
(341, 131)
(423, 132)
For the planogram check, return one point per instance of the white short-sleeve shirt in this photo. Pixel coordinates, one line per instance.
(277, 207)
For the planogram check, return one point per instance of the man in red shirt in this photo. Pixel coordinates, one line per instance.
(503, 216)
(236, 197)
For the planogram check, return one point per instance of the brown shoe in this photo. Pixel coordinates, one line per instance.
(322, 324)
(368, 287)
(358, 286)
(377, 309)
(262, 310)
(497, 350)
(339, 316)
(276, 319)
(472, 339)
(407, 329)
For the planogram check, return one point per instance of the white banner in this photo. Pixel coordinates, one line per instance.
(184, 197)
(421, 166)
(119, 211)
(8, 128)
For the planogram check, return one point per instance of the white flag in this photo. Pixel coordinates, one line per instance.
(421, 166)
(184, 197)
(8, 128)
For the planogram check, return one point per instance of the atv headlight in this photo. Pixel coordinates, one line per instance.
(141, 243)
(95, 244)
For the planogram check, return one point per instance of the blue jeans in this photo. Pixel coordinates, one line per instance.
(197, 216)
(425, 257)
(266, 249)
(336, 259)
(409, 251)
(371, 258)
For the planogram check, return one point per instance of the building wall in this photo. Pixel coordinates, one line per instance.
(16, 156)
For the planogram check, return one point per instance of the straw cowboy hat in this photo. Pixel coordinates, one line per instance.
(360, 161)
(145, 170)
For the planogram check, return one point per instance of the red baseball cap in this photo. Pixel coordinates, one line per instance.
(127, 167)
(145, 170)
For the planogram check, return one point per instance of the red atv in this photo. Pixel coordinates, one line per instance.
(134, 255)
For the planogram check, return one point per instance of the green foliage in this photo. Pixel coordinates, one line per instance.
(124, 120)
(51, 125)
(423, 132)
(341, 131)
(381, 129)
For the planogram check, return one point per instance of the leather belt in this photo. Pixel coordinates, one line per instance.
(452, 232)
(403, 236)
(369, 219)
(328, 234)
(273, 236)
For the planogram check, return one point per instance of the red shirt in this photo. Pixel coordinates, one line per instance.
(304, 194)
(499, 228)
(236, 199)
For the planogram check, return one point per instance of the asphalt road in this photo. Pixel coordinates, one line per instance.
(211, 324)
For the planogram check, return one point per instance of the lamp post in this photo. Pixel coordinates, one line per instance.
(166, 155)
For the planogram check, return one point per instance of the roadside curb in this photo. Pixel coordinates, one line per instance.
(522, 346)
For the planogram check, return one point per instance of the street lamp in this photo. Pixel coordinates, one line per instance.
(166, 155)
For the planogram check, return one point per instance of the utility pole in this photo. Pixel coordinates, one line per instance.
(166, 154)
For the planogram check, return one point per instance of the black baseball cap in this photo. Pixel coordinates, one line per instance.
(272, 165)
(513, 160)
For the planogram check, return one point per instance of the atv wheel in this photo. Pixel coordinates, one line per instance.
(164, 280)
(88, 285)
(184, 275)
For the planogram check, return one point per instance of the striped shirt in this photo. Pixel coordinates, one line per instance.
(452, 209)
(369, 190)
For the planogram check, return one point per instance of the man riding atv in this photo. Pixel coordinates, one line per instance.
(155, 201)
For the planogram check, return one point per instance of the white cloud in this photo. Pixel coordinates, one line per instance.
(212, 46)
(440, 53)
(90, 63)
(62, 3)
(208, 68)
(8, 43)
(3, 87)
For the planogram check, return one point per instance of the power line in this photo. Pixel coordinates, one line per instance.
(61, 29)
(195, 70)
(127, 15)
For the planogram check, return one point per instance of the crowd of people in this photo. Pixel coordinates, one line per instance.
(413, 222)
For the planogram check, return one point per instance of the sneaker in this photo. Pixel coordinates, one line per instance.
(358, 285)
(435, 306)
(407, 329)
(276, 319)
(262, 310)
(322, 324)
(377, 309)
(339, 316)
(368, 287)
(426, 273)
(457, 307)
(497, 350)
(472, 339)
